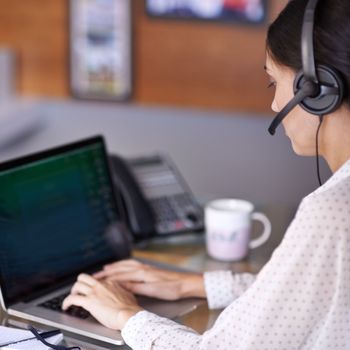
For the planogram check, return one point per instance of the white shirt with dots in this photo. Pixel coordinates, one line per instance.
(299, 300)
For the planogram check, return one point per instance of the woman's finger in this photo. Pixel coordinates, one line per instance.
(118, 267)
(81, 288)
(100, 274)
(139, 275)
(134, 276)
(87, 279)
(155, 290)
(108, 273)
(123, 264)
(76, 300)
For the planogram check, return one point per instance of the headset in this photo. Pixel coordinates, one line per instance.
(318, 89)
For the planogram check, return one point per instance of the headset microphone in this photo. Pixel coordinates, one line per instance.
(307, 90)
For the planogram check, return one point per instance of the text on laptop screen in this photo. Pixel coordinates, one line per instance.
(57, 216)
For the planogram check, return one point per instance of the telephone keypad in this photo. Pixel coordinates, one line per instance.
(175, 213)
(171, 200)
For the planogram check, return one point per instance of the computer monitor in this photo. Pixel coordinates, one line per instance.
(252, 11)
(58, 217)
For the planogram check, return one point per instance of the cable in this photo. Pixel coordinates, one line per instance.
(317, 153)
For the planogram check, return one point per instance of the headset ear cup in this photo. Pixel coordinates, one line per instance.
(323, 103)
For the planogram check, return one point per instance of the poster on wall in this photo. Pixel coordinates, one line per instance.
(246, 11)
(100, 49)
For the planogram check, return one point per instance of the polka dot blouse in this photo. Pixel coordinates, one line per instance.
(299, 300)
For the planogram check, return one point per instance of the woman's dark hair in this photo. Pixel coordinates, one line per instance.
(331, 37)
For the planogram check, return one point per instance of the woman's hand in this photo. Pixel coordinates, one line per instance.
(147, 280)
(107, 301)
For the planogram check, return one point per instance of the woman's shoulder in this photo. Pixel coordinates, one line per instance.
(335, 189)
(332, 196)
(329, 207)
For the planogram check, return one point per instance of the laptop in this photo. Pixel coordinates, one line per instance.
(59, 217)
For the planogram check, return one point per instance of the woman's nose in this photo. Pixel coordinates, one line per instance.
(274, 106)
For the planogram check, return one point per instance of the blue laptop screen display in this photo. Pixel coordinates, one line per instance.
(57, 218)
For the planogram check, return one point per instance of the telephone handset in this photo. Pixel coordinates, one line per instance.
(155, 197)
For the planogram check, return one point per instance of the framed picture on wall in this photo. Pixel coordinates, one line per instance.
(246, 11)
(101, 49)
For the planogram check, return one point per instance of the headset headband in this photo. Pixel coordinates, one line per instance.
(307, 42)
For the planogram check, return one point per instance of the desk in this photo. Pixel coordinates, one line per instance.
(188, 251)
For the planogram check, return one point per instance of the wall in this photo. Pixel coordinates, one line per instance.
(218, 155)
(183, 63)
(37, 31)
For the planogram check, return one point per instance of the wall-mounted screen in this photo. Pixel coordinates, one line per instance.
(250, 11)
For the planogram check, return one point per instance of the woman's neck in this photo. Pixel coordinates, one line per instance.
(336, 137)
(336, 162)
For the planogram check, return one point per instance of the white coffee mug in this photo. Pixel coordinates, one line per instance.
(228, 229)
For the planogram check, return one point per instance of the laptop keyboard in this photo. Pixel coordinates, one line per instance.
(55, 304)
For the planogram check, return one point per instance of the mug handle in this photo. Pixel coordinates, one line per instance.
(255, 243)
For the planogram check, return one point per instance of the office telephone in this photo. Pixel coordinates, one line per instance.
(155, 199)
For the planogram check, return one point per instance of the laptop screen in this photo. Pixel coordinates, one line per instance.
(58, 217)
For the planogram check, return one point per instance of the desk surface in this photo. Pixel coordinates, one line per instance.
(188, 251)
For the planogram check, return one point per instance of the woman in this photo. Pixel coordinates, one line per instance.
(301, 298)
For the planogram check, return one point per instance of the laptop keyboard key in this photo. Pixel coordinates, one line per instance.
(55, 304)
(77, 311)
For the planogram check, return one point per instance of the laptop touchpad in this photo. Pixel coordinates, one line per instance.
(170, 309)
